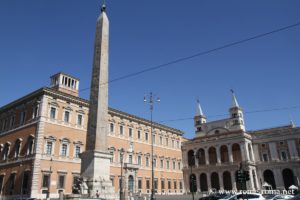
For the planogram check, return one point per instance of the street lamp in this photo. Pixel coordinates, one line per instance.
(49, 182)
(150, 100)
(121, 184)
(192, 163)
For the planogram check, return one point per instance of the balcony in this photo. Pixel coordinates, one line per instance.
(131, 166)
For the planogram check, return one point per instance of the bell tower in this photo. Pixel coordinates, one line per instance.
(236, 114)
(199, 120)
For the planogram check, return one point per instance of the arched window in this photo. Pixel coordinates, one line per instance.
(130, 183)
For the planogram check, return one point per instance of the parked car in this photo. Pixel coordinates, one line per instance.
(297, 197)
(239, 195)
(277, 196)
(214, 196)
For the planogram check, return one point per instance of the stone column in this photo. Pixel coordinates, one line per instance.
(221, 181)
(232, 173)
(293, 150)
(196, 158)
(246, 151)
(256, 153)
(296, 172)
(206, 156)
(251, 181)
(278, 178)
(218, 155)
(197, 181)
(208, 181)
(273, 150)
(229, 147)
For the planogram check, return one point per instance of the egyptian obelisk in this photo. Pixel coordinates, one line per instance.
(95, 163)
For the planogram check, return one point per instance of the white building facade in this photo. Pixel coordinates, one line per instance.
(214, 155)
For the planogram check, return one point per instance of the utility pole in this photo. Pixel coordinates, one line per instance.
(150, 100)
(121, 184)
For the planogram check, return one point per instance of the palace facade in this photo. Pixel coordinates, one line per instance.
(213, 156)
(43, 133)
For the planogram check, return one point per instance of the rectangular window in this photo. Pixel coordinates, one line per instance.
(174, 165)
(147, 184)
(180, 185)
(79, 120)
(64, 148)
(26, 178)
(167, 142)
(175, 185)
(1, 183)
(179, 166)
(265, 157)
(168, 164)
(130, 159)
(67, 116)
(130, 132)
(52, 113)
(162, 184)
(147, 162)
(161, 163)
(178, 146)
(12, 183)
(154, 162)
(112, 128)
(153, 138)
(140, 184)
(12, 121)
(112, 157)
(35, 112)
(146, 136)
(121, 130)
(173, 144)
(169, 185)
(46, 181)
(23, 117)
(139, 160)
(155, 184)
(139, 135)
(49, 148)
(77, 151)
(283, 155)
(61, 182)
(160, 140)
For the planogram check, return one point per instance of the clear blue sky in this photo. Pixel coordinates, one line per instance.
(40, 38)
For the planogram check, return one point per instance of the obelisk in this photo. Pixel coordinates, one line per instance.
(95, 163)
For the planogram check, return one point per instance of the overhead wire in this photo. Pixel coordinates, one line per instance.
(196, 55)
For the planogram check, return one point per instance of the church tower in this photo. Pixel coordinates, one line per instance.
(95, 164)
(199, 120)
(236, 115)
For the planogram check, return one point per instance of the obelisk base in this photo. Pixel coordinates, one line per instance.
(95, 172)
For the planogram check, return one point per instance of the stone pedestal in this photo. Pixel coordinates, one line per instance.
(95, 171)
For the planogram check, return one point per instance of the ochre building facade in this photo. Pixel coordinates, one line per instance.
(43, 133)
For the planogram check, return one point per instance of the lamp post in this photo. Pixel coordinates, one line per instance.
(49, 182)
(150, 100)
(121, 184)
(192, 163)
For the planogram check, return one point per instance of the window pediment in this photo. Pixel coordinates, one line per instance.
(54, 103)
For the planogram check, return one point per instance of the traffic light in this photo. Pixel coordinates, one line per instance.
(239, 176)
(247, 176)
